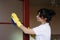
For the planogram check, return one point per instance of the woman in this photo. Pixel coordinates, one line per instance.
(43, 31)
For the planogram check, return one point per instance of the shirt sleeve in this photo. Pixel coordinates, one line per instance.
(39, 30)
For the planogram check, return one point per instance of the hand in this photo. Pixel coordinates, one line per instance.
(15, 19)
(33, 36)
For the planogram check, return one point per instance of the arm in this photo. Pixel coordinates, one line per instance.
(26, 30)
(20, 25)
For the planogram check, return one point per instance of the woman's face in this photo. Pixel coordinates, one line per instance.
(38, 18)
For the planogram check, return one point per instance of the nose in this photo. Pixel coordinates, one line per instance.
(36, 16)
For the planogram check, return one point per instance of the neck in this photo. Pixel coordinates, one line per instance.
(43, 22)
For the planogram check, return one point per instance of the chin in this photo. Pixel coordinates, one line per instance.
(38, 20)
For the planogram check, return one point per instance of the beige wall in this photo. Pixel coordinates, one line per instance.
(55, 23)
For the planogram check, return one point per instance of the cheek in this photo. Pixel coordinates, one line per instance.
(38, 19)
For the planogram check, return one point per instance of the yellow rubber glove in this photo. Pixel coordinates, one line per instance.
(16, 19)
